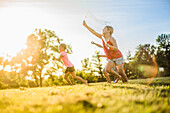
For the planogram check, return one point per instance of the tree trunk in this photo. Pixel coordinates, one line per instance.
(36, 80)
(40, 80)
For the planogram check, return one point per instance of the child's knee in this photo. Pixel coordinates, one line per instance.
(75, 77)
(108, 70)
(104, 71)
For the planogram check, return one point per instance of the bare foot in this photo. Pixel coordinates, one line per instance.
(86, 82)
(118, 79)
(123, 80)
(109, 82)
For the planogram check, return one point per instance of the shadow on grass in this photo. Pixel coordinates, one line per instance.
(86, 104)
(160, 83)
(165, 81)
(123, 87)
(158, 92)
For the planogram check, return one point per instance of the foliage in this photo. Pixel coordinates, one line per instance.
(86, 65)
(143, 58)
(97, 64)
(90, 76)
(163, 52)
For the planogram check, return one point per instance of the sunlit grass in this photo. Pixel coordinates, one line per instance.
(134, 97)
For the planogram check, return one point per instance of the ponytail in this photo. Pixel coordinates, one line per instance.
(68, 51)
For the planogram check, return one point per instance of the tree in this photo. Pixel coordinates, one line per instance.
(41, 50)
(37, 57)
(97, 62)
(163, 52)
(143, 61)
(128, 65)
(86, 65)
(144, 54)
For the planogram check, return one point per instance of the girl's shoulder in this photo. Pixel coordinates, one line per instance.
(63, 53)
(113, 39)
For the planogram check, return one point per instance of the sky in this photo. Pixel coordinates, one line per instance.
(134, 21)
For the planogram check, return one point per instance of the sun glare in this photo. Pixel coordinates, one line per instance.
(16, 24)
(13, 37)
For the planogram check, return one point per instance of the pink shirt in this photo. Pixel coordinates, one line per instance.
(65, 59)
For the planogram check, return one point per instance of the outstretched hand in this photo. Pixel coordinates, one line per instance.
(92, 42)
(84, 23)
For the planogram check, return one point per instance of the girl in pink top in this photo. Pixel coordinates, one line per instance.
(70, 67)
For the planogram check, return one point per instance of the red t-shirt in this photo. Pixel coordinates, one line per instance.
(111, 54)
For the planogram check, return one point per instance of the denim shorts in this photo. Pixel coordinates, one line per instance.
(117, 61)
(69, 69)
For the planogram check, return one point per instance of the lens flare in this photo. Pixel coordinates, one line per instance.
(149, 70)
(154, 72)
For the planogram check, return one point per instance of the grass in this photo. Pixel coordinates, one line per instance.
(132, 97)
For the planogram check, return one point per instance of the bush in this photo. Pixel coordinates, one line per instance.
(31, 83)
(87, 76)
(3, 86)
(59, 80)
(133, 77)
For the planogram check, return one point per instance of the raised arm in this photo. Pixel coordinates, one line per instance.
(101, 55)
(98, 45)
(92, 31)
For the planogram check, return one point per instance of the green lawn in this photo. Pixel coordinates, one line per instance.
(132, 97)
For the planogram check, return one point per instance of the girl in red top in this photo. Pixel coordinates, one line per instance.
(112, 52)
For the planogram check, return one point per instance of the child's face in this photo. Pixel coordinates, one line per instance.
(105, 30)
(61, 48)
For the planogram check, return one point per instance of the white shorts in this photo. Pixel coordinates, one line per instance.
(117, 61)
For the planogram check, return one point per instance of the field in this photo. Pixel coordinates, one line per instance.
(132, 97)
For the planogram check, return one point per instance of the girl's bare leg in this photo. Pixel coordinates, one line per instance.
(67, 79)
(109, 67)
(122, 72)
(107, 76)
(78, 78)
